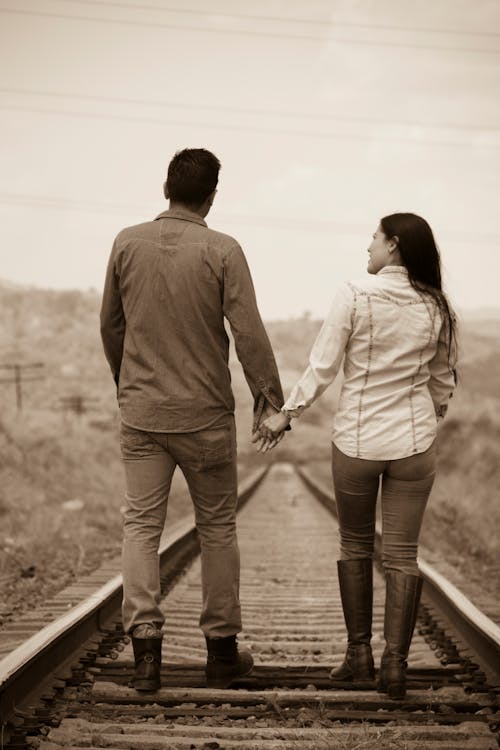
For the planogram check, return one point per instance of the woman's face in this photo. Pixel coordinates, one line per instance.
(379, 252)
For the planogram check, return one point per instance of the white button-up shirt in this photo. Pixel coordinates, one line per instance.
(397, 374)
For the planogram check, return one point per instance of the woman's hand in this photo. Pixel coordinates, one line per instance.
(272, 426)
(270, 432)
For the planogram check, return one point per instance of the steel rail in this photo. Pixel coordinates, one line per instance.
(27, 669)
(472, 627)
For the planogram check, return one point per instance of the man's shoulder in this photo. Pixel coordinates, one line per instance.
(221, 240)
(144, 229)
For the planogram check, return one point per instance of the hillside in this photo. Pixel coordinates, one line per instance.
(61, 479)
(61, 330)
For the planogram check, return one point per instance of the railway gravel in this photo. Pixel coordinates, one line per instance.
(293, 625)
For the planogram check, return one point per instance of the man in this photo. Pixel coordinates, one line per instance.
(169, 284)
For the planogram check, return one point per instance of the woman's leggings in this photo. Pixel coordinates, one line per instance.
(405, 487)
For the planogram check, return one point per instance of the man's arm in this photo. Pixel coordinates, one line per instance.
(251, 341)
(112, 318)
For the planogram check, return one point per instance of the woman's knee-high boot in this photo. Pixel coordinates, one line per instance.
(356, 591)
(401, 605)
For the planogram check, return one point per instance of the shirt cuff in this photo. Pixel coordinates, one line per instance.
(441, 410)
(292, 410)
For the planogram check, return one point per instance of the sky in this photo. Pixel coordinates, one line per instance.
(326, 116)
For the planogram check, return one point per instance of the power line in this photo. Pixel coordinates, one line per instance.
(286, 19)
(71, 204)
(245, 32)
(245, 110)
(286, 222)
(245, 128)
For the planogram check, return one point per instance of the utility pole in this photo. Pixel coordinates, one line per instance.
(78, 404)
(19, 378)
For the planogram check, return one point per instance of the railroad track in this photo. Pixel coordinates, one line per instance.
(293, 625)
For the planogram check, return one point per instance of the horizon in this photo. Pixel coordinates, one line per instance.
(484, 312)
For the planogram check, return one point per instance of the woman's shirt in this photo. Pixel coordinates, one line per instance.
(397, 377)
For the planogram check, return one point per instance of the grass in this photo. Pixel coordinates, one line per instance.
(61, 488)
(61, 479)
(60, 491)
(463, 516)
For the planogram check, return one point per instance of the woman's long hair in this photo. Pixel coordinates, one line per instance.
(420, 255)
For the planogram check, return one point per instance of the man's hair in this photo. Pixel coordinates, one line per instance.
(192, 175)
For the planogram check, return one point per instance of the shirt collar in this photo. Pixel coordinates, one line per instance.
(182, 213)
(393, 269)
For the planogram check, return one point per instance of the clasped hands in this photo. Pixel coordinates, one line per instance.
(270, 431)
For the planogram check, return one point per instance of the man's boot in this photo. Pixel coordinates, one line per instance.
(401, 605)
(356, 591)
(225, 663)
(147, 655)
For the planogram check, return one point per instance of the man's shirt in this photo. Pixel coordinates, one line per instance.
(398, 376)
(169, 284)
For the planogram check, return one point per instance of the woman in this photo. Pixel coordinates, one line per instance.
(397, 333)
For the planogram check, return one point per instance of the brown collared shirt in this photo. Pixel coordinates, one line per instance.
(169, 285)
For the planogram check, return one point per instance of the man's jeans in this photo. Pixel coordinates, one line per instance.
(207, 459)
(405, 488)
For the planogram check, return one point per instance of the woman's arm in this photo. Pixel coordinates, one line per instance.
(442, 373)
(326, 354)
(324, 362)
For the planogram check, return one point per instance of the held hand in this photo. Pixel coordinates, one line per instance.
(264, 444)
(274, 425)
(270, 432)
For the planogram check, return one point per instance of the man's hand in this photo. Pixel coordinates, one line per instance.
(270, 431)
(264, 444)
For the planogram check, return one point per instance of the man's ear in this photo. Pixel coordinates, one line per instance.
(165, 191)
(211, 197)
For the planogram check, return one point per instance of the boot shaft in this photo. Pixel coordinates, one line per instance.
(402, 598)
(222, 649)
(401, 605)
(147, 655)
(356, 592)
(225, 663)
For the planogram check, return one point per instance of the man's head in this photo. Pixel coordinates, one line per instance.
(192, 179)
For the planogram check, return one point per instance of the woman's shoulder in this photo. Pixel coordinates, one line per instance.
(392, 286)
(363, 284)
